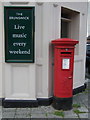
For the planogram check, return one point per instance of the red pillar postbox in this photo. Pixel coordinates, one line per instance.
(63, 72)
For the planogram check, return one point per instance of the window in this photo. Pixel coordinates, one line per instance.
(65, 22)
(70, 22)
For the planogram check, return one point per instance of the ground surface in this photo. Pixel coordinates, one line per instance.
(79, 111)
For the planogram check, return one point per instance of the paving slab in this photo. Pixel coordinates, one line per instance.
(48, 109)
(49, 115)
(40, 119)
(89, 115)
(37, 115)
(8, 114)
(75, 100)
(23, 113)
(0, 109)
(23, 110)
(82, 115)
(83, 109)
(0, 112)
(37, 110)
(23, 116)
(70, 114)
(81, 98)
(8, 109)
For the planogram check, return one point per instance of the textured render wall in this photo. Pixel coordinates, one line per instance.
(1, 51)
(79, 70)
(79, 61)
(19, 78)
(88, 25)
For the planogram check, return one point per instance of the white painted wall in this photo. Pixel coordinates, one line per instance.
(1, 51)
(50, 27)
(19, 78)
(88, 25)
(35, 80)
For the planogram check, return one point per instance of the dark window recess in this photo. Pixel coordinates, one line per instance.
(65, 22)
(64, 29)
(65, 15)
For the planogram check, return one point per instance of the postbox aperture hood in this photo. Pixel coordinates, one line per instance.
(65, 41)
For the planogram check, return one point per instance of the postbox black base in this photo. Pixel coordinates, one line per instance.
(62, 103)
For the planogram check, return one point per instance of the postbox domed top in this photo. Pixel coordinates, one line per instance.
(64, 41)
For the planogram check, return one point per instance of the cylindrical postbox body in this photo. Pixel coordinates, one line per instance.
(63, 72)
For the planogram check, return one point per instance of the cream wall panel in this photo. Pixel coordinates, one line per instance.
(45, 34)
(88, 24)
(39, 49)
(20, 78)
(56, 20)
(50, 52)
(39, 81)
(39, 33)
(1, 52)
(79, 78)
(20, 81)
(45, 46)
(79, 65)
(54, 24)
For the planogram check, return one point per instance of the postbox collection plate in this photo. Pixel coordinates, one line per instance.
(65, 63)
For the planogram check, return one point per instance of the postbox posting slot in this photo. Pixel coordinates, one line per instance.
(65, 52)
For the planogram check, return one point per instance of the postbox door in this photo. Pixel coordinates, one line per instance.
(63, 73)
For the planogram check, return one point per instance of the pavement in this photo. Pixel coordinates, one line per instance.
(79, 111)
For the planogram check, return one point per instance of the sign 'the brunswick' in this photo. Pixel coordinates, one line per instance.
(19, 34)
